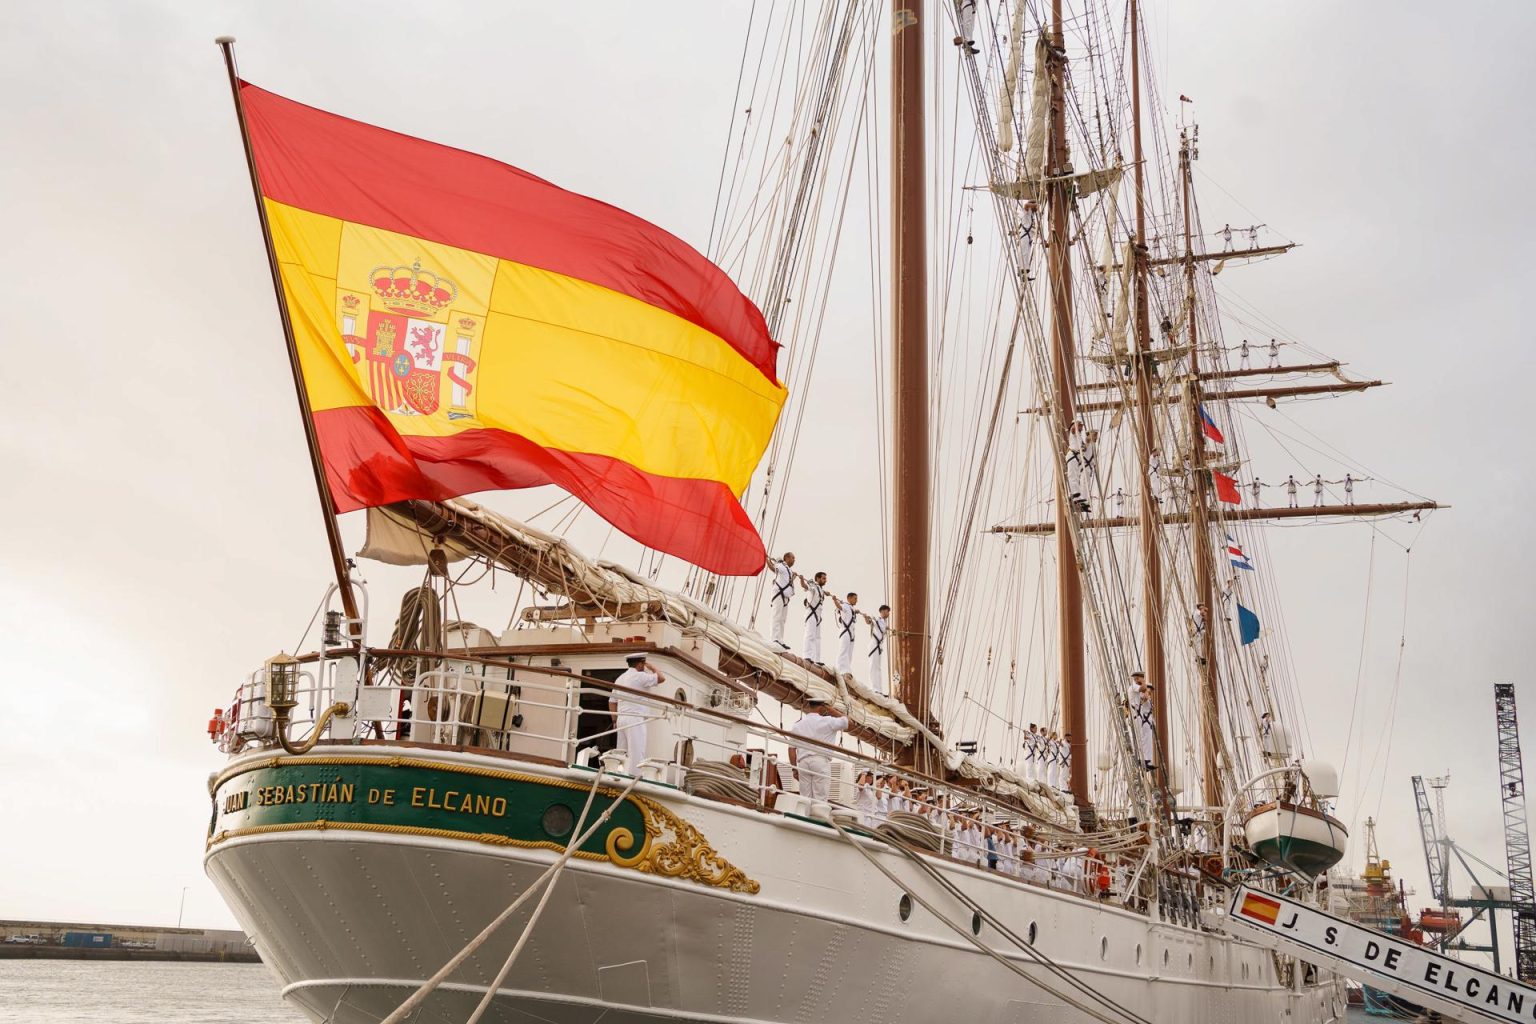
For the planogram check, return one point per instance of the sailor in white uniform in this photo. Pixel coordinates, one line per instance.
(1027, 222)
(815, 595)
(811, 764)
(847, 619)
(629, 714)
(1143, 712)
(965, 22)
(1032, 753)
(1066, 762)
(879, 629)
(1290, 491)
(1317, 489)
(1256, 487)
(778, 601)
(1155, 475)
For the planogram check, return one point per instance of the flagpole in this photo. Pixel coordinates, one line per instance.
(226, 44)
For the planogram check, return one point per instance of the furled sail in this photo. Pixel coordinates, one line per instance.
(1039, 112)
(1010, 85)
(1084, 184)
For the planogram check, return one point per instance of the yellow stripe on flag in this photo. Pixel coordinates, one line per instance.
(1260, 908)
(564, 363)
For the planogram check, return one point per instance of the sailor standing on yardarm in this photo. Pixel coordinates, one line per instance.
(847, 619)
(815, 596)
(879, 629)
(778, 601)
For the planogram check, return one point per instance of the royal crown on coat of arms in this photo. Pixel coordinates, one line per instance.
(412, 291)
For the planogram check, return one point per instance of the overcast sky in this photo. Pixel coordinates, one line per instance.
(162, 538)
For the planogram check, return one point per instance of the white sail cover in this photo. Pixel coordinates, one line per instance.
(394, 538)
(1010, 85)
(1039, 112)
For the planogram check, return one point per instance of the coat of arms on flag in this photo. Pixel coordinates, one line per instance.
(408, 350)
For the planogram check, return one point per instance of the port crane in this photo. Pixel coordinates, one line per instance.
(1517, 836)
(1439, 851)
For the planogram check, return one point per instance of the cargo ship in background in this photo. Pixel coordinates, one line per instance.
(1376, 900)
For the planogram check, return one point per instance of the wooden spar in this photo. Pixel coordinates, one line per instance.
(327, 506)
(1230, 254)
(1252, 371)
(1200, 496)
(1271, 371)
(1238, 515)
(1298, 391)
(1069, 585)
(909, 366)
(1151, 529)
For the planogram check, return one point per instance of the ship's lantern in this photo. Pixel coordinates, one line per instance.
(331, 637)
(282, 682)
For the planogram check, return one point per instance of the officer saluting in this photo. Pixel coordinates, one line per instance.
(823, 723)
(629, 713)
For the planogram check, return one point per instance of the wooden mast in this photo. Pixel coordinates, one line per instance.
(1205, 583)
(1069, 585)
(909, 366)
(226, 45)
(1151, 528)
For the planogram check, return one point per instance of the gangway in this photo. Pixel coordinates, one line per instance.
(1457, 990)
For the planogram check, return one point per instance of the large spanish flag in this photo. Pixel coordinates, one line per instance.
(465, 326)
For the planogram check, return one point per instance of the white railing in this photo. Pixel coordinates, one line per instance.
(477, 706)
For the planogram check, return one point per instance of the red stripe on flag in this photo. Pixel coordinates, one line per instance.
(1260, 908)
(333, 165)
(367, 463)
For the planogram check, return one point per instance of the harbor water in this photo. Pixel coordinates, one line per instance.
(55, 991)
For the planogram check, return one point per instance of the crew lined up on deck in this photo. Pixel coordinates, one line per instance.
(1009, 848)
(846, 617)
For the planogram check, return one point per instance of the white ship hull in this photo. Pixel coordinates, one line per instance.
(354, 921)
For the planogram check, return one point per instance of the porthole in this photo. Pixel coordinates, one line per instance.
(558, 820)
(1032, 931)
(1192, 962)
(1104, 948)
(681, 696)
(1165, 958)
(1138, 954)
(975, 923)
(904, 906)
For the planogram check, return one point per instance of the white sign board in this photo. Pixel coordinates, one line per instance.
(1407, 970)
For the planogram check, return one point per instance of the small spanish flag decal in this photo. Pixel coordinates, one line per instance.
(1260, 908)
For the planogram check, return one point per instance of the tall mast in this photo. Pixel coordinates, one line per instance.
(1069, 586)
(909, 363)
(226, 46)
(1199, 512)
(1151, 527)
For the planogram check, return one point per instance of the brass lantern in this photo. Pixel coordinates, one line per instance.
(282, 683)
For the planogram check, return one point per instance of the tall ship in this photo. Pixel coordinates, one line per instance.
(1062, 723)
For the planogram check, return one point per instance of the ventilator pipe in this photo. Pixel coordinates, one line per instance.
(280, 726)
(1231, 810)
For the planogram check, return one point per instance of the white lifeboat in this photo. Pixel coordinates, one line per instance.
(1295, 837)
